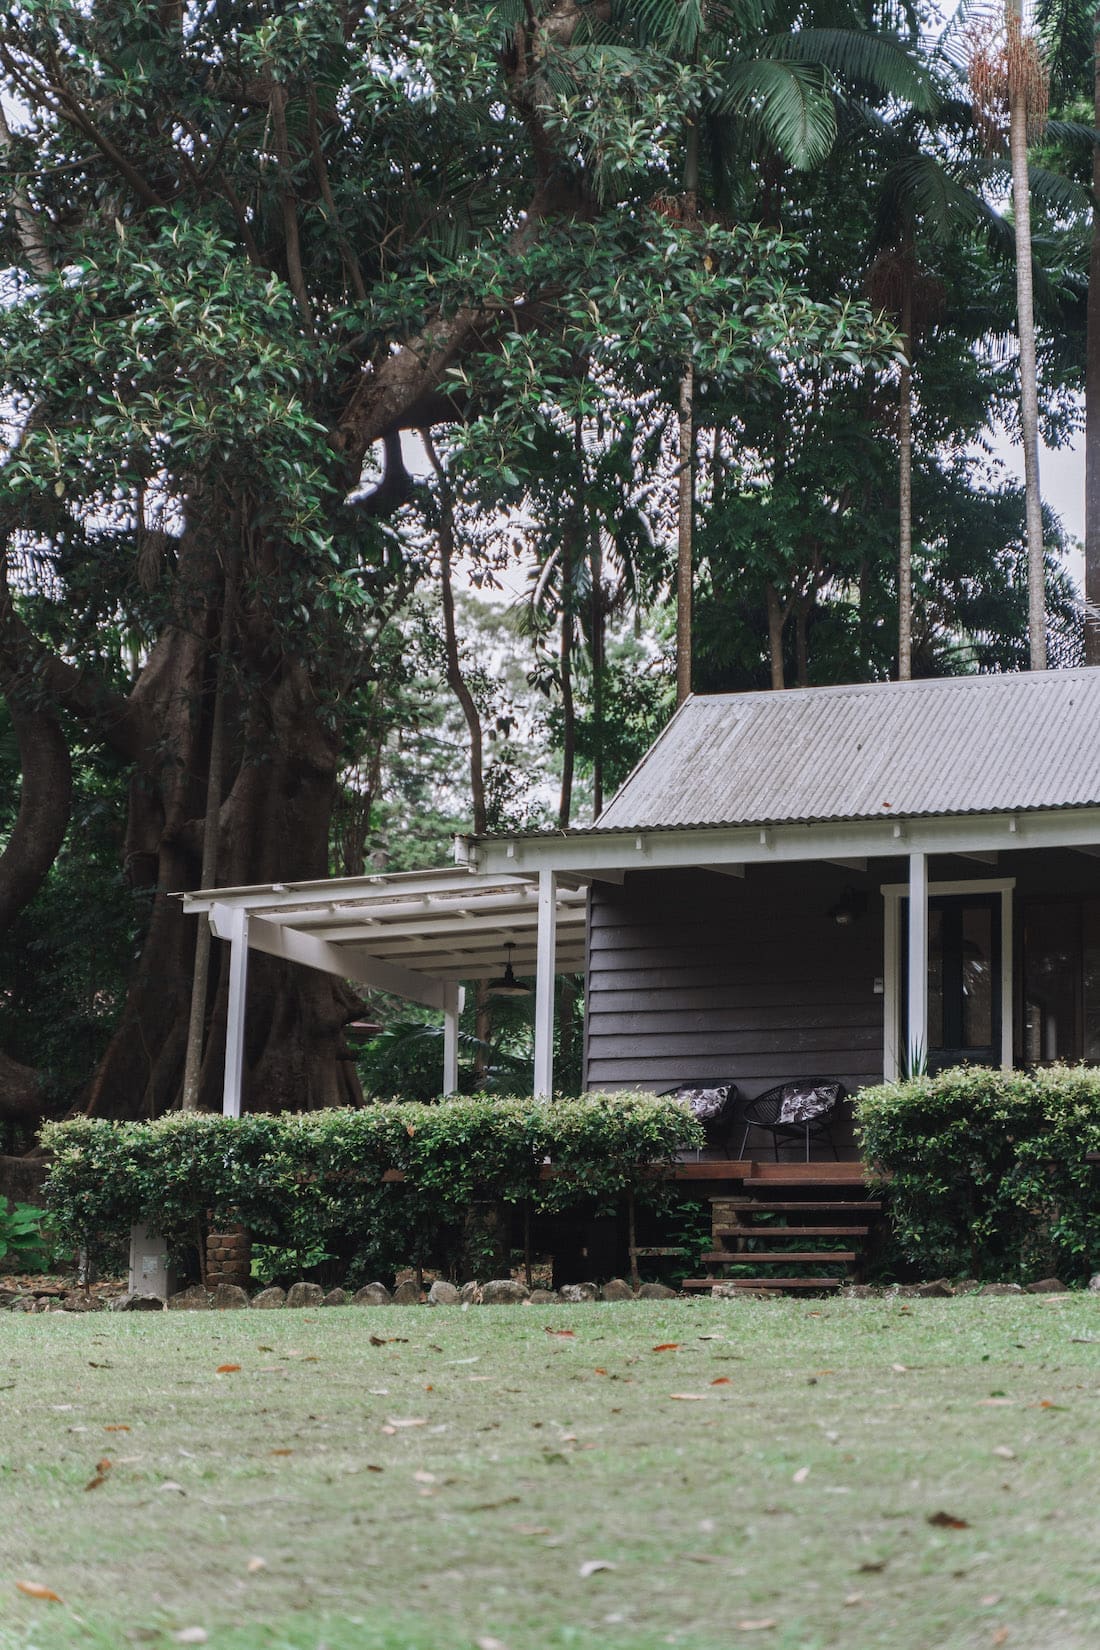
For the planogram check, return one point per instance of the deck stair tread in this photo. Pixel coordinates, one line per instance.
(815, 1207)
(764, 1283)
(780, 1257)
(799, 1232)
(829, 1198)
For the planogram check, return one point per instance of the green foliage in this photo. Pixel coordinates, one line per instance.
(27, 1240)
(987, 1171)
(316, 1181)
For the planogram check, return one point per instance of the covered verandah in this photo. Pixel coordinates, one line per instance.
(418, 935)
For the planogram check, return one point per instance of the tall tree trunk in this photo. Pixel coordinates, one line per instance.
(801, 648)
(905, 489)
(1029, 392)
(684, 511)
(565, 668)
(456, 680)
(1092, 400)
(598, 626)
(776, 620)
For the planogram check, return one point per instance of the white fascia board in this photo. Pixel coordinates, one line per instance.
(753, 845)
(350, 963)
(401, 885)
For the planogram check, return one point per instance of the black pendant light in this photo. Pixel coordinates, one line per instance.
(507, 985)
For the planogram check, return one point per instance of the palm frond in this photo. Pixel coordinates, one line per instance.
(785, 103)
(875, 58)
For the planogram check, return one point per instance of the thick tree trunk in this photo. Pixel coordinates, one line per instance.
(44, 804)
(1029, 393)
(273, 827)
(1092, 402)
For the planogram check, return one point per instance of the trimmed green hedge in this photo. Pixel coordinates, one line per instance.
(314, 1180)
(987, 1169)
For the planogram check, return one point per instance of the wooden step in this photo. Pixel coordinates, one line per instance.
(797, 1174)
(771, 1232)
(809, 1208)
(764, 1283)
(762, 1257)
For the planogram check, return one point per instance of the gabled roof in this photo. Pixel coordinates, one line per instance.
(960, 745)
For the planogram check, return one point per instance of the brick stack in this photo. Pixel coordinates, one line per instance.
(228, 1257)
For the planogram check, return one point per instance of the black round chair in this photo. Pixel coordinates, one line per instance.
(775, 1111)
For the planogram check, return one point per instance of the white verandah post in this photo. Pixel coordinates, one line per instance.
(234, 1026)
(545, 959)
(916, 1039)
(452, 1008)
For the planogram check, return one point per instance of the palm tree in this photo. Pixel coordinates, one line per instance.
(770, 88)
(1007, 75)
(1070, 30)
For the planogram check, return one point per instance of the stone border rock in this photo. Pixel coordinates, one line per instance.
(228, 1297)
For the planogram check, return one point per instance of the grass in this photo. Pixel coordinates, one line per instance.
(540, 1452)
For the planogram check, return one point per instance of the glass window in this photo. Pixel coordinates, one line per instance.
(977, 976)
(1052, 974)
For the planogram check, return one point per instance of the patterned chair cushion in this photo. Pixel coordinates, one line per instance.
(802, 1102)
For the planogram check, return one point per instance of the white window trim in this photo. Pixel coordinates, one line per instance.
(893, 893)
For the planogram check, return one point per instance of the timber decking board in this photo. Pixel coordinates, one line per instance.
(811, 1207)
(789, 1231)
(779, 1257)
(763, 1283)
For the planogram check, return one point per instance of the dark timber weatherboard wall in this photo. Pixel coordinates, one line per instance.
(695, 975)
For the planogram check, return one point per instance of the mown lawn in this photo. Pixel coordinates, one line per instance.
(780, 1464)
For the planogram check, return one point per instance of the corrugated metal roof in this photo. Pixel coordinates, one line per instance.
(962, 745)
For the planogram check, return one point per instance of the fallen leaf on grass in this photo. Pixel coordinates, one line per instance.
(260, 1348)
(989, 1600)
(93, 1365)
(282, 1452)
(592, 1566)
(491, 1506)
(721, 1380)
(757, 1625)
(667, 1346)
(372, 1468)
(102, 1468)
(688, 1397)
(801, 1475)
(900, 1369)
(996, 1402)
(423, 1477)
(562, 1334)
(1047, 1403)
(1000, 1636)
(871, 1566)
(852, 1599)
(408, 1421)
(255, 1565)
(599, 1371)
(490, 1644)
(35, 1589)
(120, 1427)
(170, 1484)
(947, 1521)
(227, 1369)
(191, 1635)
(533, 1529)
(1004, 1452)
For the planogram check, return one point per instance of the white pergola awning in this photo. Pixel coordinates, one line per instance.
(416, 934)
